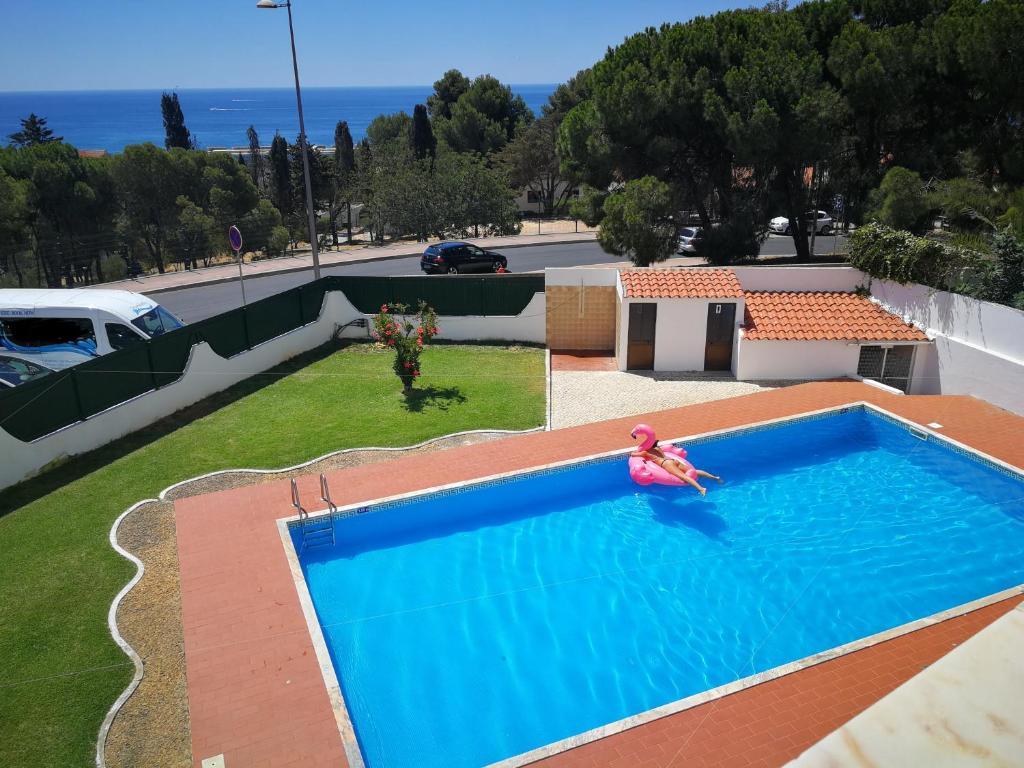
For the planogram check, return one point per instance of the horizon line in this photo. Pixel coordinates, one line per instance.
(233, 87)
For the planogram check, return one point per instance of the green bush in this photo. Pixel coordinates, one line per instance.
(891, 254)
(901, 201)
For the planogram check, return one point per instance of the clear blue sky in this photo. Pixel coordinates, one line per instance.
(72, 45)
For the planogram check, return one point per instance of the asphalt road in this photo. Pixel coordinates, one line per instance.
(200, 302)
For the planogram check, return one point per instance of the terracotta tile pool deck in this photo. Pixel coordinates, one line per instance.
(256, 693)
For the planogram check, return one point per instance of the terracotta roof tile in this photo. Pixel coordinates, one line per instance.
(822, 316)
(681, 284)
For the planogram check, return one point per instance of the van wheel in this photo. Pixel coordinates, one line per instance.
(826, 230)
(788, 230)
(453, 270)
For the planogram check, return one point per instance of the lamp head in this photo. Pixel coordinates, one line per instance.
(268, 4)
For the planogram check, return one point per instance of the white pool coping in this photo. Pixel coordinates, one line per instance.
(338, 704)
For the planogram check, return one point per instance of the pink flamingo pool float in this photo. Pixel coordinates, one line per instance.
(646, 472)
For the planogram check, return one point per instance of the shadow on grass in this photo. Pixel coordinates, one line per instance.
(440, 398)
(61, 474)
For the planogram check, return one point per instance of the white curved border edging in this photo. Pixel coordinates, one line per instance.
(101, 739)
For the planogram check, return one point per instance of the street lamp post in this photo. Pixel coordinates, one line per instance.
(303, 148)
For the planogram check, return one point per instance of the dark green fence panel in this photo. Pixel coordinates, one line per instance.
(448, 295)
(114, 378)
(274, 315)
(501, 296)
(59, 399)
(40, 407)
(311, 297)
(225, 333)
(169, 354)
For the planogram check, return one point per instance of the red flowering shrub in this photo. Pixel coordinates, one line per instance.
(407, 332)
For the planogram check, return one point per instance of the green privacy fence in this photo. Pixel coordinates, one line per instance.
(60, 399)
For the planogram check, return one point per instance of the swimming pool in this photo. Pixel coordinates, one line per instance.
(471, 625)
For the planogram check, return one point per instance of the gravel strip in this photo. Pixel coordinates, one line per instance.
(581, 397)
(152, 728)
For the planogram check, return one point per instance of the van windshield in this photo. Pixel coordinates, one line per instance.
(156, 322)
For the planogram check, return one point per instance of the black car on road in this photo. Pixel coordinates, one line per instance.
(456, 257)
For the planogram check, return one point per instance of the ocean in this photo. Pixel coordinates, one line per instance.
(217, 117)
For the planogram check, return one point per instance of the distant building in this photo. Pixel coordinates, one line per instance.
(529, 201)
(93, 153)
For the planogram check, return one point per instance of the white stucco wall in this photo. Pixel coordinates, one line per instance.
(207, 373)
(979, 346)
(798, 360)
(680, 334)
(819, 278)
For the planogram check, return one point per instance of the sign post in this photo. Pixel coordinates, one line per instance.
(235, 238)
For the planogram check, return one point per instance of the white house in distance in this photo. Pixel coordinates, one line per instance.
(703, 320)
(756, 323)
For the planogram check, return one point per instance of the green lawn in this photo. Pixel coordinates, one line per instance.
(58, 574)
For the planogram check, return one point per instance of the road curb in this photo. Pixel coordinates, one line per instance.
(367, 260)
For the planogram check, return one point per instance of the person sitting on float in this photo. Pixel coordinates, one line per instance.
(675, 465)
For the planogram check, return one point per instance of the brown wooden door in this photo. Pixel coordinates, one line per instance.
(718, 346)
(640, 350)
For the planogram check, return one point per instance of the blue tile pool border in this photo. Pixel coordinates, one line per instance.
(427, 494)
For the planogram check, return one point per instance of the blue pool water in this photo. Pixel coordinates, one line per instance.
(469, 627)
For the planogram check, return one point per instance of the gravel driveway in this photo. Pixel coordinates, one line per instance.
(580, 397)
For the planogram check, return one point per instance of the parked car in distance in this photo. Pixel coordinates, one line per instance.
(820, 219)
(456, 257)
(15, 371)
(688, 239)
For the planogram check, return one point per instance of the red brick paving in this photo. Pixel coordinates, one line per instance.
(583, 360)
(771, 723)
(256, 692)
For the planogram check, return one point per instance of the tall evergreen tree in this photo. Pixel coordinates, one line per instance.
(255, 158)
(177, 135)
(280, 176)
(344, 170)
(422, 135)
(33, 131)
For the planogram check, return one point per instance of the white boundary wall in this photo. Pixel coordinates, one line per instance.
(207, 373)
(800, 278)
(978, 349)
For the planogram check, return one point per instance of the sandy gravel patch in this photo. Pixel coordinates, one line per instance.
(581, 397)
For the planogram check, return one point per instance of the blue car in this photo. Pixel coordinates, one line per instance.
(456, 257)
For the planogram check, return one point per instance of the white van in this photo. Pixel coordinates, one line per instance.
(58, 327)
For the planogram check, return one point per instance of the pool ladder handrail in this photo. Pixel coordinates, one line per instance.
(316, 530)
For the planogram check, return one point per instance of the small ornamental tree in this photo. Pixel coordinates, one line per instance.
(407, 333)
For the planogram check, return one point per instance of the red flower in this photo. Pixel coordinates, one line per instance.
(408, 364)
(383, 307)
(415, 373)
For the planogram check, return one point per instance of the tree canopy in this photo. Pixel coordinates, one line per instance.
(750, 113)
(33, 131)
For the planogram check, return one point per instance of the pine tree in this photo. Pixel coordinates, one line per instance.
(177, 135)
(255, 158)
(33, 131)
(422, 135)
